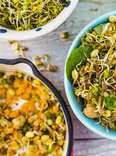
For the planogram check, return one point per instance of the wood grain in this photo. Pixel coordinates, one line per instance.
(96, 147)
(86, 142)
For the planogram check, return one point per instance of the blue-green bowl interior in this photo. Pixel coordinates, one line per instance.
(75, 105)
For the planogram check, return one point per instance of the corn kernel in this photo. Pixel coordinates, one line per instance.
(36, 82)
(58, 120)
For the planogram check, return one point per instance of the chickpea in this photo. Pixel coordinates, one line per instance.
(18, 122)
(90, 111)
(30, 134)
(11, 92)
(32, 119)
(45, 138)
(8, 130)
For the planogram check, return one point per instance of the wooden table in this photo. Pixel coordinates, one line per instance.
(86, 143)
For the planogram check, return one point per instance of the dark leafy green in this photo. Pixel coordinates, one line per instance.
(110, 102)
(78, 55)
(99, 29)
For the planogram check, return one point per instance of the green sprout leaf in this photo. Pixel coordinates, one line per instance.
(98, 29)
(110, 102)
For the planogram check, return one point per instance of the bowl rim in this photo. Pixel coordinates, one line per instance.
(69, 89)
(36, 73)
(9, 34)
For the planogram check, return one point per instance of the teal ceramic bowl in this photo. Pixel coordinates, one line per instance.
(75, 105)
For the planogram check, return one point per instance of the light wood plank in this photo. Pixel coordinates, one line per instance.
(95, 148)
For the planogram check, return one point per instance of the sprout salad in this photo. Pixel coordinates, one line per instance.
(31, 120)
(94, 79)
(29, 14)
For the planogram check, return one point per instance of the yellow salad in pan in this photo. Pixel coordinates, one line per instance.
(31, 120)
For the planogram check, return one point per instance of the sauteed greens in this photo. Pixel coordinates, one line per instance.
(31, 120)
(29, 14)
(94, 78)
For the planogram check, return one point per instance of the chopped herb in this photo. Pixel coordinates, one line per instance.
(110, 102)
